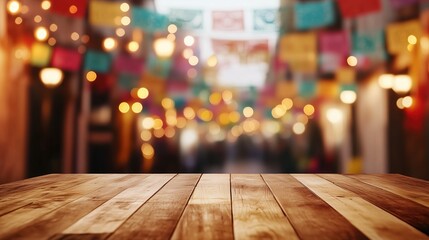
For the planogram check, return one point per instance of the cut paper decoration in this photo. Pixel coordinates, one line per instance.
(40, 54)
(314, 14)
(97, 61)
(103, 13)
(228, 20)
(74, 8)
(354, 8)
(126, 64)
(148, 20)
(66, 59)
(265, 20)
(397, 35)
(299, 50)
(187, 18)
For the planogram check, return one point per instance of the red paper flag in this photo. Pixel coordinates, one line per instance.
(66, 59)
(73, 8)
(354, 8)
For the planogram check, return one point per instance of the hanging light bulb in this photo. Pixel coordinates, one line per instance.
(51, 77)
(163, 47)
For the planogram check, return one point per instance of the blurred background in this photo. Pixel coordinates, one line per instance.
(153, 86)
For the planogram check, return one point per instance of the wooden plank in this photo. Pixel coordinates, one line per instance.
(307, 211)
(158, 217)
(30, 192)
(44, 204)
(208, 213)
(408, 211)
(61, 218)
(368, 218)
(111, 214)
(256, 213)
(411, 188)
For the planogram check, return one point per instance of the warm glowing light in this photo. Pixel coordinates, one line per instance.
(163, 47)
(124, 107)
(193, 60)
(146, 135)
(223, 118)
(410, 47)
(181, 122)
(189, 40)
(407, 102)
(399, 103)
(212, 61)
(402, 84)
(234, 117)
(270, 128)
(187, 53)
(352, 61)
(287, 103)
(205, 114)
(18, 20)
(171, 117)
(302, 118)
(250, 125)
(334, 115)
(133, 46)
(120, 32)
(37, 19)
(278, 111)
(74, 36)
(142, 93)
(157, 123)
(13, 7)
(412, 39)
(227, 96)
(53, 27)
(192, 73)
(52, 41)
(170, 132)
(137, 107)
(25, 9)
(348, 96)
(167, 103)
(172, 28)
(147, 150)
(308, 109)
(91, 76)
(148, 123)
(125, 20)
(125, 7)
(248, 112)
(73, 9)
(41, 34)
(236, 131)
(386, 81)
(51, 77)
(189, 113)
(215, 98)
(158, 133)
(298, 128)
(45, 5)
(109, 44)
(171, 37)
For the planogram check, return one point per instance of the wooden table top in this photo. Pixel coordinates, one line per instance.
(215, 206)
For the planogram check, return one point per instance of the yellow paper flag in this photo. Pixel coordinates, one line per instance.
(398, 35)
(345, 75)
(299, 50)
(103, 13)
(40, 54)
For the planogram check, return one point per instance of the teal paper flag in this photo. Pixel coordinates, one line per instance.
(189, 19)
(314, 14)
(307, 88)
(127, 82)
(97, 61)
(148, 20)
(265, 20)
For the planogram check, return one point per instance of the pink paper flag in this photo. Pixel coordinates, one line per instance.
(66, 59)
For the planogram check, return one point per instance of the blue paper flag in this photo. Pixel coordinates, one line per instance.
(314, 14)
(127, 82)
(307, 88)
(97, 61)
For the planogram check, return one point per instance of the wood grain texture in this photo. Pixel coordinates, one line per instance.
(307, 211)
(371, 220)
(408, 211)
(61, 218)
(214, 206)
(158, 217)
(110, 215)
(411, 188)
(46, 203)
(256, 213)
(208, 213)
